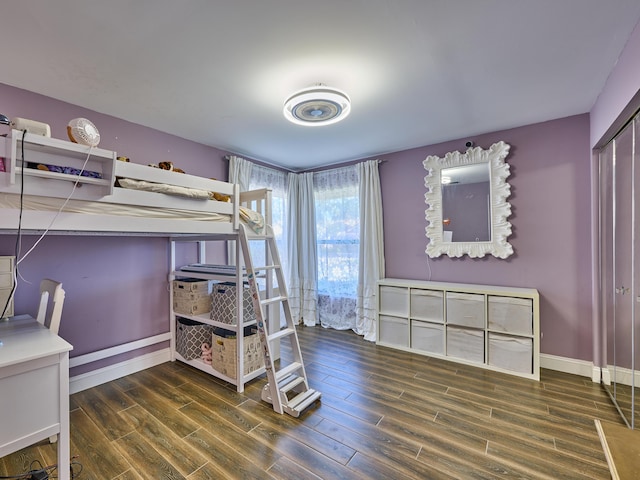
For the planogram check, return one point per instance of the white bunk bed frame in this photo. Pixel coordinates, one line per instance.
(47, 185)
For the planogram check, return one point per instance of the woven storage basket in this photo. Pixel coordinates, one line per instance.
(190, 335)
(223, 304)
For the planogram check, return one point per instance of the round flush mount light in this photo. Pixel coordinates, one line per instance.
(318, 105)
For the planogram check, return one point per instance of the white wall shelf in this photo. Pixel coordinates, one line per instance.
(497, 328)
(53, 151)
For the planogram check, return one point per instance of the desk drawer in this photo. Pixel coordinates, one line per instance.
(23, 415)
(4, 295)
(6, 264)
(6, 280)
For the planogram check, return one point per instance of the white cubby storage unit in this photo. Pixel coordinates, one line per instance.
(492, 327)
(241, 363)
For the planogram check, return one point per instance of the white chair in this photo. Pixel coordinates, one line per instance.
(50, 311)
(51, 301)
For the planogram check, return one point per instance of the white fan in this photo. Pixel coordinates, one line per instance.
(82, 131)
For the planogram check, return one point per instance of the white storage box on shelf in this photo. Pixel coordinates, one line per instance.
(493, 327)
(427, 337)
(511, 353)
(465, 309)
(427, 305)
(395, 300)
(510, 314)
(394, 330)
(466, 344)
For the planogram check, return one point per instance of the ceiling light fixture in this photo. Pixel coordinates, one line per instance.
(317, 105)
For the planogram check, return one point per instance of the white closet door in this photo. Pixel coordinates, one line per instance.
(620, 264)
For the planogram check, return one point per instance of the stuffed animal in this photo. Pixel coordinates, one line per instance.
(207, 355)
(169, 166)
(219, 196)
(166, 166)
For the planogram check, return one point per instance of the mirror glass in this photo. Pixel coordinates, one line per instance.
(467, 206)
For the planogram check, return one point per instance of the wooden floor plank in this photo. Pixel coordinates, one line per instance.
(384, 413)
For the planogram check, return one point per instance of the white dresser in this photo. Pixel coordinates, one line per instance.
(492, 327)
(6, 284)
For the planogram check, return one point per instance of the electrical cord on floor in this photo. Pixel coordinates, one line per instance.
(45, 473)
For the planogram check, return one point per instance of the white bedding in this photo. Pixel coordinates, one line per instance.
(165, 188)
(48, 204)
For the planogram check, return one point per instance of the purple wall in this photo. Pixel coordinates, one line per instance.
(116, 287)
(621, 86)
(617, 102)
(550, 185)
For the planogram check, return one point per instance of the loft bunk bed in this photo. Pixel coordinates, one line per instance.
(65, 188)
(111, 196)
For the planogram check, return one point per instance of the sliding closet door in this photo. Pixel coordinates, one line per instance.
(632, 149)
(620, 282)
(606, 264)
(623, 270)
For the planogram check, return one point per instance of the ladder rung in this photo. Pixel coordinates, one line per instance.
(289, 383)
(281, 333)
(266, 268)
(268, 301)
(292, 367)
(303, 400)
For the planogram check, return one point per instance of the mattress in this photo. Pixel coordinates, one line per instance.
(46, 204)
(49, 204)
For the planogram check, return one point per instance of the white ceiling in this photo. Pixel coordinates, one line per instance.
(418, 72)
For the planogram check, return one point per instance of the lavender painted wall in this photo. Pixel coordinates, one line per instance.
(617, 102)
(116, 287)
(621, 86)
(550, 184)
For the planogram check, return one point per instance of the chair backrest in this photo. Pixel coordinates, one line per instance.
(51, 301)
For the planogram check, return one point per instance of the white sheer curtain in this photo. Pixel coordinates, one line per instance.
(303, 293)
(371, 257)
(338, 242)
(240, 172)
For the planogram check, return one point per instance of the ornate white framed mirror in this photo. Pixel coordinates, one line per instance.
(467, 207)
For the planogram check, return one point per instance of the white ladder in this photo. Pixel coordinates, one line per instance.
(288, 388)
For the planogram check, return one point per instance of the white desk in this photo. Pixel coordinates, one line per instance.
(34, 388)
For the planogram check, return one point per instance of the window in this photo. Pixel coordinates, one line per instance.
(338, 242)
(264, 177)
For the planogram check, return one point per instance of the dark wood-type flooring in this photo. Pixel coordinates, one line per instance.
(384, 414)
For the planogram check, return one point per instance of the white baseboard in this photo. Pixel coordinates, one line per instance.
(113, 372)
(118, 370)
(623, 376)
(570, 365)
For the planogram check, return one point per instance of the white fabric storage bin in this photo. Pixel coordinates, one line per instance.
(465, 309)
(427, 337)
(511, 353)
(394, 300)
(394, 331)
(511, 315)
(466, 344)
(427, 305)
